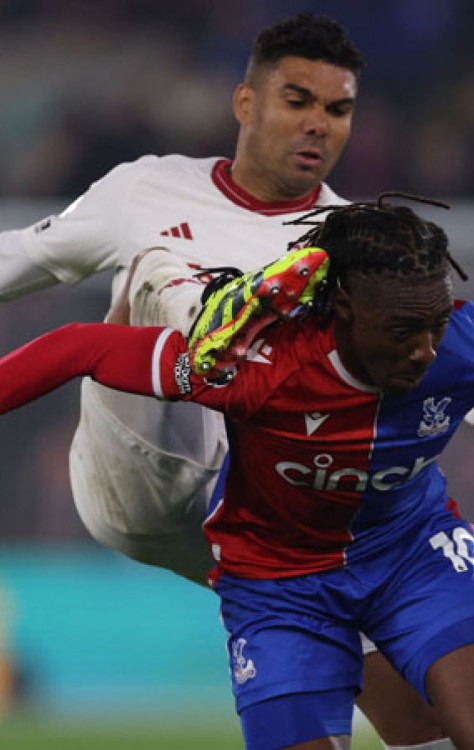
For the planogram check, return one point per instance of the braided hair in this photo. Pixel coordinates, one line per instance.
(377, 239)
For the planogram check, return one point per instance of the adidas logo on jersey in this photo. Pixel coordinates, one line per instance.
(181, 230)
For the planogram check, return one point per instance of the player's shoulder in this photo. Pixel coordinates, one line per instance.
(172, 164)
(327, 197)
(156, 167)
(463, 314)
(129, 182)
(291, 343)
(459, 336)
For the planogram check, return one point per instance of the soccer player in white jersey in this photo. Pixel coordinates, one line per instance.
(142, 472)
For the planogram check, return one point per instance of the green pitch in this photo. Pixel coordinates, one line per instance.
(28, 733)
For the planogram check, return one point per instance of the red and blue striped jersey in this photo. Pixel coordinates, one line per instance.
(324, 469)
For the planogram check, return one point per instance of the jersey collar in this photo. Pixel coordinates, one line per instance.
(222, 179)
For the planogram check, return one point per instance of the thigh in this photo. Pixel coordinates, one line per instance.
(298, 718)
(450, 686)
(398, 713)
(140, 486)
(138, 499)
(427, 607)
(284, 640)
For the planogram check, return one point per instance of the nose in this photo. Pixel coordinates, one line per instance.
(424, 349)
(317, 121)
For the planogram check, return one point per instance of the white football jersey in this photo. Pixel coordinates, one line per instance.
(188, 205)
(142, 471)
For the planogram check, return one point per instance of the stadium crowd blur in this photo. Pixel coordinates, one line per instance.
(86, 84)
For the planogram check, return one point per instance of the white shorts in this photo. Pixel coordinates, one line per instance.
(137, 498)
(142, 471)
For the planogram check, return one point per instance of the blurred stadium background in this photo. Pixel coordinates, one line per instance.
(98, 651)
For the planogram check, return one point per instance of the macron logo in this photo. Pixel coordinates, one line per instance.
(313, 421)
(260, 352)
(181, 230)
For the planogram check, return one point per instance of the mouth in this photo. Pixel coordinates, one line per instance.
(406, 383)
(309, 158)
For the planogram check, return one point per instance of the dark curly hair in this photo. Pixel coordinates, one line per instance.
(305, 35)
(378, 239)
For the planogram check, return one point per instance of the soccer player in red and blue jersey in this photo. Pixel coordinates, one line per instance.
(333, 517)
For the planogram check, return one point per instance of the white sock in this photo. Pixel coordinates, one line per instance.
(341, 742)
(164, 292)
(444, 744)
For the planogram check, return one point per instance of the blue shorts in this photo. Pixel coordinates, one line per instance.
(293, 719)
(300, 635)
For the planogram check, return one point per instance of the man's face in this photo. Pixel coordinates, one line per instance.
(295, 121)
(388, 330)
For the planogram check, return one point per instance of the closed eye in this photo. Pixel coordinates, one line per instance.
(404, 333)
(340, 109)
(297, 103)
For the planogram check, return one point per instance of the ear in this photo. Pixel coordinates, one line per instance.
(342, 306)
(244, 97)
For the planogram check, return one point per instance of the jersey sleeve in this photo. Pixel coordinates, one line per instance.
(82, 240)
(117, 356)
(143, 360)
(18, 273)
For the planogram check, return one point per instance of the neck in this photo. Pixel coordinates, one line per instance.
(247, 198)
(343, 338)
(254, 182)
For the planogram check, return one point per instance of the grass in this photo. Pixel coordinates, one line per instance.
(27, 733)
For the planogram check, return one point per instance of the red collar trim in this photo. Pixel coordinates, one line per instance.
(223, 181)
